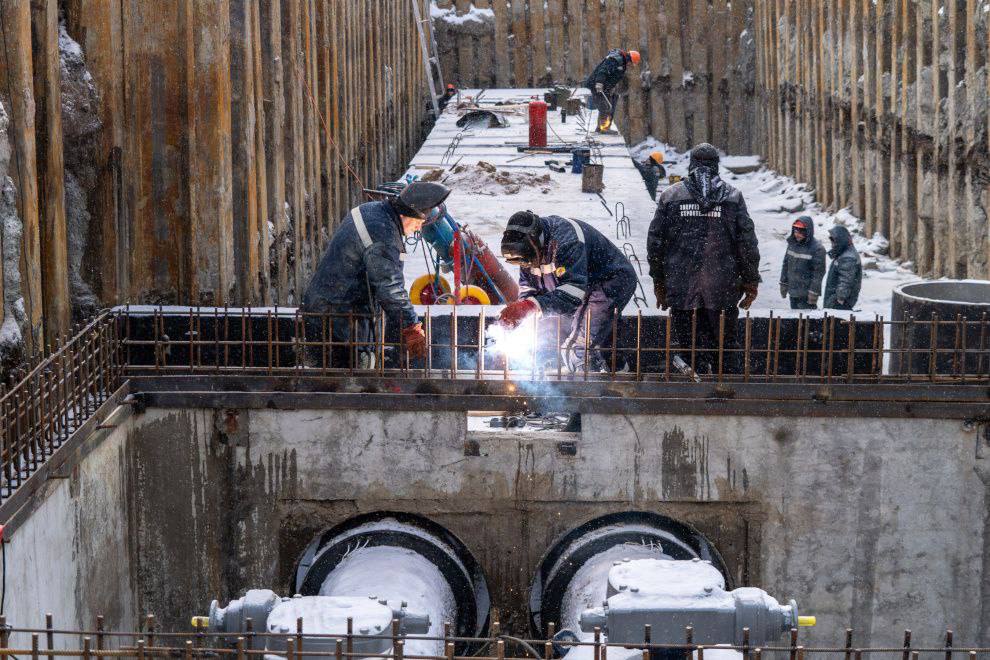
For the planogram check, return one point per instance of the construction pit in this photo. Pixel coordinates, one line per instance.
(178, 456)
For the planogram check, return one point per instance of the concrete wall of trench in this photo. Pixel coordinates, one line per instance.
(874, 524)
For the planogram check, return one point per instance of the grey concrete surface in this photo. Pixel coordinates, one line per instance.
(73, 556)
(878, 525)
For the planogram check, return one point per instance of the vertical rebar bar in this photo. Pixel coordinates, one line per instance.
(639, 345)
(932, 346)
(848, 644)
(4, 636)
(453, 342)
(747, 345)
(49, 633)
(615, 333)
(948, 645)
(721, 344)
(745, 643)
(481, 344)
(906, 655)
(598, 643)
(99, 632)
(85, 650)
(34, 646)
(666, 368)
(240, 648)
(794, 643)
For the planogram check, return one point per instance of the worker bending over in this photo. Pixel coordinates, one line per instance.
(652, 171)
(607, 81)
(568, 269)
(704, 259)
(361, 273)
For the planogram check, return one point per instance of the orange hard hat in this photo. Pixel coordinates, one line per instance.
(657, 157)
(634, 56)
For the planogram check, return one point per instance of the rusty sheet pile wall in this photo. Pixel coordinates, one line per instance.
(696, 81)
(218, 179)
(853, 104)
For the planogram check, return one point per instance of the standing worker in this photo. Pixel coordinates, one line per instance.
(607, 81)
(568, 269)
(704, 258)
(845, 273)
(652, 172)
(804, 266)
(361, 273)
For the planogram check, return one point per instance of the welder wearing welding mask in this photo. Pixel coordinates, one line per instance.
(361, 271)
(568, 268)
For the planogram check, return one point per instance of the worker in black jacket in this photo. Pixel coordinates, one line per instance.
(361, 273)
(804, 266)
(704, 258)
(845, 273)
(568, 269)
(604, 83)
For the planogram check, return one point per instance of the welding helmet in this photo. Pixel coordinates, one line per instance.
(419, 198)
(522, 239)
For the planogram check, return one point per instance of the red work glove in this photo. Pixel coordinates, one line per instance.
(415, 340)
(749, 295)
(515, 312)
(660, 289)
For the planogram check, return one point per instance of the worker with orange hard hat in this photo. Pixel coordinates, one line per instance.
(607, 81)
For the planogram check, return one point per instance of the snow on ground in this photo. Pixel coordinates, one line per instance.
(774, 201)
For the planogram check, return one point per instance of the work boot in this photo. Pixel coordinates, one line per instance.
(573, 424)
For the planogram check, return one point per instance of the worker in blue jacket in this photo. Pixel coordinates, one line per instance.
(361, 273)
(568, 269)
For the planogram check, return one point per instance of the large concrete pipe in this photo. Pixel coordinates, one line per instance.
(371, 569)
(622, 572)
(952, 316)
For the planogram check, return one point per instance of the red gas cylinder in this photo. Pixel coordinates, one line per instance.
(537, 124)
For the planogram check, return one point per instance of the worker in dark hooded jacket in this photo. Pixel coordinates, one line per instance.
(704, 257)
(652, 172)
(804, 266)
(607, 81)
(361, 272)
(568, 268)
(845, 273)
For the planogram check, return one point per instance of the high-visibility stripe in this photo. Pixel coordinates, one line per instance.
(798, 255)
(571, 290)
(362, 229)
(577, 229)
(545, 269)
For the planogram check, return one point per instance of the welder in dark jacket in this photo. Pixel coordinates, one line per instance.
(604, 83)
(361, 271)
(568, 269)
(704, 257)
(845, 273)
(804, 266)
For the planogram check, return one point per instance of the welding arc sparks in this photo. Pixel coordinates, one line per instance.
(517, 344)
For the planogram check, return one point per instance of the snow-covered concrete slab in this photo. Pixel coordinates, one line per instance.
(774, 201)
(487, 210)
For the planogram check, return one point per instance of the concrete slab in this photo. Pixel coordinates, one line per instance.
(487, 213)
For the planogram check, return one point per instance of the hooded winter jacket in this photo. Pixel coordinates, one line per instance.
(610, 72)
(362, 267)
(574, 259)
(804, 265)
(845, 273)
(702, 244)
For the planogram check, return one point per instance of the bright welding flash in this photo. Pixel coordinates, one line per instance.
(517, 345)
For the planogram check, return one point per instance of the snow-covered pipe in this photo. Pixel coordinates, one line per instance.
(573, 575)
(406, 560)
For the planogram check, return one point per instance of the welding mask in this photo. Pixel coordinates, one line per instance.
(420, 198)
(522, 239)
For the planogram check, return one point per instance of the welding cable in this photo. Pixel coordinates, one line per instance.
(326, 130)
